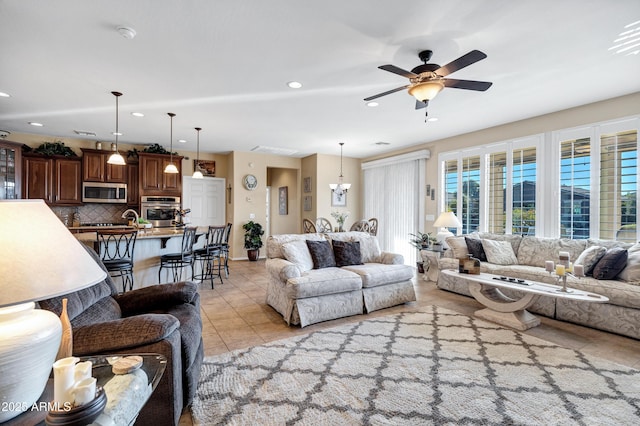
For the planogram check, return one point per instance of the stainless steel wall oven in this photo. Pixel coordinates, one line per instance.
(159, 210)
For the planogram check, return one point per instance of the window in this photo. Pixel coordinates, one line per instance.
(523, 205)
(573, 183)
(618, 185)
(575, 188)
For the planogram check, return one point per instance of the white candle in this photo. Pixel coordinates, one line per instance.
(560, 270)
(570, 268)
(578, 270)
(84, 391)
(63, 379)
(82, 371)
(549, 266)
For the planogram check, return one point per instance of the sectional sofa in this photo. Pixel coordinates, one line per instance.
(617, 278)
(318, 277)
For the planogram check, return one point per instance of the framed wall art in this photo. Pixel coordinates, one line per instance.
(207, 168)
(283, 202)
(307, 184)
(338, 199)
(307, 203)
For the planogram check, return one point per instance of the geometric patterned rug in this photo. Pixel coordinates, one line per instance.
(429, 367)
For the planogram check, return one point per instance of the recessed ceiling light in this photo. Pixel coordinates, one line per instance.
(432, 119)
(182, 141)
(372, 104)
(294, 84)
(4, 95)
(116, 133)
(137, 114)
(33, 123)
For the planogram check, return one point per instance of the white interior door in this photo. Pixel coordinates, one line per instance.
(206, 199)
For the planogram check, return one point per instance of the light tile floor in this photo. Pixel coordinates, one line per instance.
(235, 316)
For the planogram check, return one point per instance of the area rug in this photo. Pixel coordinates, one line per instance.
(417, 368)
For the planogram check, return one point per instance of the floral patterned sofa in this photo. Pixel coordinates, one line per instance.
(525, 259)
(319, 277)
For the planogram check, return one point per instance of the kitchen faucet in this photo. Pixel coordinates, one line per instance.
(131, 211)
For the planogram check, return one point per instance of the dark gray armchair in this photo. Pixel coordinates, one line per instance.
(161, 319)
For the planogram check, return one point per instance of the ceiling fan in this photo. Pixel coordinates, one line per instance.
(427, 80)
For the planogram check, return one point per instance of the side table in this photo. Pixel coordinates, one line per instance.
(126, 393)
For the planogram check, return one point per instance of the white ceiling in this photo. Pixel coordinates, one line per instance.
(223, 65)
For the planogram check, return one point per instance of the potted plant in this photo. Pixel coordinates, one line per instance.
(253, 239)
(421, 241)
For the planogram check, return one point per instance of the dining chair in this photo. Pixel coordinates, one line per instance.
(308, 227)
(323, 225)
(361, 225)
(373, 226)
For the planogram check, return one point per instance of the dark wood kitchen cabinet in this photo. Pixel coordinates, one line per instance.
(96, 169)
(133, 182)
(153, 179)
(10, 170)
(56, 179)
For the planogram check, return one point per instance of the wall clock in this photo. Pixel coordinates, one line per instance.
(250, 182)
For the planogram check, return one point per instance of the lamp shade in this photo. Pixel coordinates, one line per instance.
(447, 220)
(39, 257)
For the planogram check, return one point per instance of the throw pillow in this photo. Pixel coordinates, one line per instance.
(297, 252)
(321, 253)
(347, 253)
(499, 252)
(458, 247)
(611, 264)
(590, 257)
(631, 272)
(474, 245)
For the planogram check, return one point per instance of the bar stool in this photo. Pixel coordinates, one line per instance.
(177, 261)
(210, 255)
(116, 248)
(225, 248)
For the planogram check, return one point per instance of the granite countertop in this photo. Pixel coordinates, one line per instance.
(145, 233)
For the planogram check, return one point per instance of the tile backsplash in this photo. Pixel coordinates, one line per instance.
(92, 213)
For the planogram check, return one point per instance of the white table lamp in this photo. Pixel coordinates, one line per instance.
(444, 221)
(39, 259)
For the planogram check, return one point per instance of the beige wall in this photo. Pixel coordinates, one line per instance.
(610, 109)
(328, 171)
(290, 222)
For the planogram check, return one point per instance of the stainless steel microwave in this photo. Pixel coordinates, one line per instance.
(97, 192)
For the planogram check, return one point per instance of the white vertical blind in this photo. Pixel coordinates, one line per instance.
(393, 194)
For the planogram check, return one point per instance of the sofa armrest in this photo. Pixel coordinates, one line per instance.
(391, 258)
(124, 333)
(156, 297)
(282, 269)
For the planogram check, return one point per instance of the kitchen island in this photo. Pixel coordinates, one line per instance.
(150, 245)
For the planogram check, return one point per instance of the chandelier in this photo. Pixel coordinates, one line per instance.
(340, 188)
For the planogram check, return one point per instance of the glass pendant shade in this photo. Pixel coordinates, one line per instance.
(427, 90)
(171, 168)
(116, 158)
(197, 174)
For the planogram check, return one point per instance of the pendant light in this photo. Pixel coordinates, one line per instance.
(171, 168)
(116, 158)
(340, 188)
(197, 174)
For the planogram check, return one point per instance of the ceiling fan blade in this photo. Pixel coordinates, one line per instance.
(463, 61)
(388, 92)
(399, 71)
(480, 86)
(421, 104)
